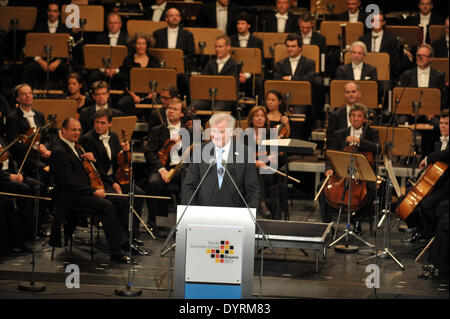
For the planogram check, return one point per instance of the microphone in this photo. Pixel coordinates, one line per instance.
(201, 45)
(224, 164)
(212, 162)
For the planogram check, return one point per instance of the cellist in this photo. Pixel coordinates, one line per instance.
(363, 139)
(105, 146)
(164, 151)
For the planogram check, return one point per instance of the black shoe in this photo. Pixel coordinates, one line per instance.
(265, 212)
(135, 251)
(137, 242)
(410, 238)
(431, 274)
(120, 258)
(428, 267)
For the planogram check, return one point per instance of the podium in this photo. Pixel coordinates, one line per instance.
(214, 257)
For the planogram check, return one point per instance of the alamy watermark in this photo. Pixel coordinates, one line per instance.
(373, 280)
(73, 279)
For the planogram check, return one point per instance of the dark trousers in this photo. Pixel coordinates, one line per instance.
(11, 232)
(138, 205)
(105, 209)
(439, 249)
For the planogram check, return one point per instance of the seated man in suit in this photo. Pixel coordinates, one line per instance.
(281, 20)
(223, 64)
(220, 14)
(296, 67)
(357, 69)
(217, 189)
(340, 118)
(378, 40)
(157, 11)
(105, 146)
(175, 37)
(423, 76)
(305, 25)
(364, 139)
(114, 36)
(354, 12)
(100, 94)
(34, 72)
(426, 18)
(73, 189)
(244, 39)
(440, 46)
(160, 182)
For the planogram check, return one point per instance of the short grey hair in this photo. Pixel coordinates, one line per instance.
(359, 107)
(220, 117)
(354, 83)
(361, 44)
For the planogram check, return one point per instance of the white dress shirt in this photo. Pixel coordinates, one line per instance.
(172, 36)
(158, 11)
(353, 17)
(357, 70)
(5, 165)
(30, 117)
(376, 41)
(423, 77)
(226, 150)
(307, 38)
(222, 17)
(444, 141)
(356, 133)
(425, 21)
(174, 130)
(294, 63)
(243, 40)
(281, 21)
(105, 140)
(98, 107)
(52, 26)
(113, 38)
(221, 63)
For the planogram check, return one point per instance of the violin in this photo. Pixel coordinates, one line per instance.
(123, 173)
(89, 167)
(164, 152)
(4, 154)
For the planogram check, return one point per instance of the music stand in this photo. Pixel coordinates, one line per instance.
(48, 45)
(213, 87)
(406, 35)
(354, 167)
(270, 40)
(402, 140)
(189, 10)
(204, 39)
(141, 78)
(125, 123)
(91, 18)
(332, 31)
(171, 58)
(62, 108)
(441, 64)
(251, 59)
(436, 32)
(369, 93)
(145, 26)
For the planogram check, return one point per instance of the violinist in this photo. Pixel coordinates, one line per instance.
(271, 185)
(361, 138)
(73, 189)
(76, 91)
(168, 140)
(19, 122)
(105, 146)
(166, 94)
(276, 110)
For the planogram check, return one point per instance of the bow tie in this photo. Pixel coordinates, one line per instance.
(357, 66)
(444, 139)
(28, 115)
(157, 7)
(104, 138)
(171, 126)
(291, 60)
(247, 37)
(281, 16)
(116, 36)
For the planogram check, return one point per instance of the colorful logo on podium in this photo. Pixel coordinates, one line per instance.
(223, 253)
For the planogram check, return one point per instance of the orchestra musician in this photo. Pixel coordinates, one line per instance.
(357, 70)
(164, 151)
(76, 90)
(276, 112)
(74, 190)
(105, 146)
(364, 139)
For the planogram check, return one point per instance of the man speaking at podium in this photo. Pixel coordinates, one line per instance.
(221, 158)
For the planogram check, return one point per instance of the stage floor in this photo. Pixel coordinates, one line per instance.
(287, 273)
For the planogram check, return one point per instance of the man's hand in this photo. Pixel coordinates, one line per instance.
(329, 172)
(89, 156)
(287, 78)
(54, 65)
(16, 178)
(352, 140)
(125, 146)
(117, 188)
(43, 64)
(242, 78)
(45, 153)
(100, 193)
(423, 163)
(164, 175)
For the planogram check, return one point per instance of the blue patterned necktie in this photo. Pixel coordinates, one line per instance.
(220, 169)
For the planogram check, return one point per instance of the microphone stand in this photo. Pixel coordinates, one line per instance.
(128, 292)
(32, 285)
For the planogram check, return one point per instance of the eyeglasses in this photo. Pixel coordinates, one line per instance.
(423, 56)
(165, 97)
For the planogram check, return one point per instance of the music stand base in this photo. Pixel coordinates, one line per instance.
(346, 249)
(383, 254)
(128, 292)
(31, 286)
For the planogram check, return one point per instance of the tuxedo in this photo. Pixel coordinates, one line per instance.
(317, 39)
(242, 171)
(336, 121)
(345, 72)
(43, 28)
(104, 39)
(389, 45)
(434, 20)
(185, 40)
(346, 16)
(253, 42)
(440, 48)
(73, 190)
(207, 17)
(305, 70)
(270, 23)
(87, 117)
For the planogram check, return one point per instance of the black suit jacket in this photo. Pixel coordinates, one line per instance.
(305, 70)
(434, 20)
(244, 175)
(43, 28)
(207, 17)
(91, 143)
(336, 121)
(389, 45)
(16, 125)
(87, 117)
(269, 23)
(185, 40)
(103, 38)
(440, 48)
(230, 68)
(438, 155)
(253, 42)
(317, 39)
(369, 142)
(345, 72)
(346, 16)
